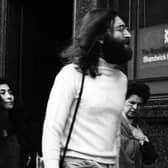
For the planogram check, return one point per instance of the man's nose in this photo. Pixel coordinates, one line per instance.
(127, 33)
(8, 96)
(135, 106)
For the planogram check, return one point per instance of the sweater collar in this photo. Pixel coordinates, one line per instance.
(105, 67)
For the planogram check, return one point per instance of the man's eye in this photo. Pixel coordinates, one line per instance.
(121, 28)
(10, 92)
(131, 102)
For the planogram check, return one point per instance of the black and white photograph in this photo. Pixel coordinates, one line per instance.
(83, 84)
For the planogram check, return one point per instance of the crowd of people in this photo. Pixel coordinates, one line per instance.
(105, 132)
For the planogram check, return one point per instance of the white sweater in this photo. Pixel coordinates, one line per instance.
(96, 131)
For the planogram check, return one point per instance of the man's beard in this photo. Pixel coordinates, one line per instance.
(116, 51)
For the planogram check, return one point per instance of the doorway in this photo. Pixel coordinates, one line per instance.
(46, 28)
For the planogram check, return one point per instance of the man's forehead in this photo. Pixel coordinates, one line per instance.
(4, 86)
(117, 21)
(135, 98)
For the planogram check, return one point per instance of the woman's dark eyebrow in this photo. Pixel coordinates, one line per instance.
(2, 89)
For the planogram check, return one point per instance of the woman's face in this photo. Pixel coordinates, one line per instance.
(7, 97)
(132, 106)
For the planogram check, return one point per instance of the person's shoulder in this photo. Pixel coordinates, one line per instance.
(122, 75)
(69, 68)
(69, 71)
(69, 74)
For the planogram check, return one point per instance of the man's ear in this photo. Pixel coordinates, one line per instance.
(112, 22)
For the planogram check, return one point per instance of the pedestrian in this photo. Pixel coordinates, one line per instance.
(136, 147)
(9, 144)
(101, 45)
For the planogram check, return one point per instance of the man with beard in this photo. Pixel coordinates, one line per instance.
(136, 148)
(102, 43)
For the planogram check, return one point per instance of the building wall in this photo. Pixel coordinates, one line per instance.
(3, 8)
(148, 23)
(81, 7)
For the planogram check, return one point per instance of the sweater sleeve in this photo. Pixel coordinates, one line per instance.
(60, 100)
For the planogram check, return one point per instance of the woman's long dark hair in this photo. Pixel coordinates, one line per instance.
(84, 50)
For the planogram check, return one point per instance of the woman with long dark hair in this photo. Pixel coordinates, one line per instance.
(9, 145)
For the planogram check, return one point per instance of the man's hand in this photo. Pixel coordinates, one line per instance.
(139, 135)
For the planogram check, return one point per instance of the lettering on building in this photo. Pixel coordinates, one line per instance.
(166, 36)
(155, 55)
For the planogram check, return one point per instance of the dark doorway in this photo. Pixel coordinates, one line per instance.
(34, 34)
(47, 26)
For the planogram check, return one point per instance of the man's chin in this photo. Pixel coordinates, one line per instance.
(128, 53)
(9, 106)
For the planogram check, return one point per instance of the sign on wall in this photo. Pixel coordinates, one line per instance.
(152, 57)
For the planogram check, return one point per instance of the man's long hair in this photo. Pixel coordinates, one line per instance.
(84, 50)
